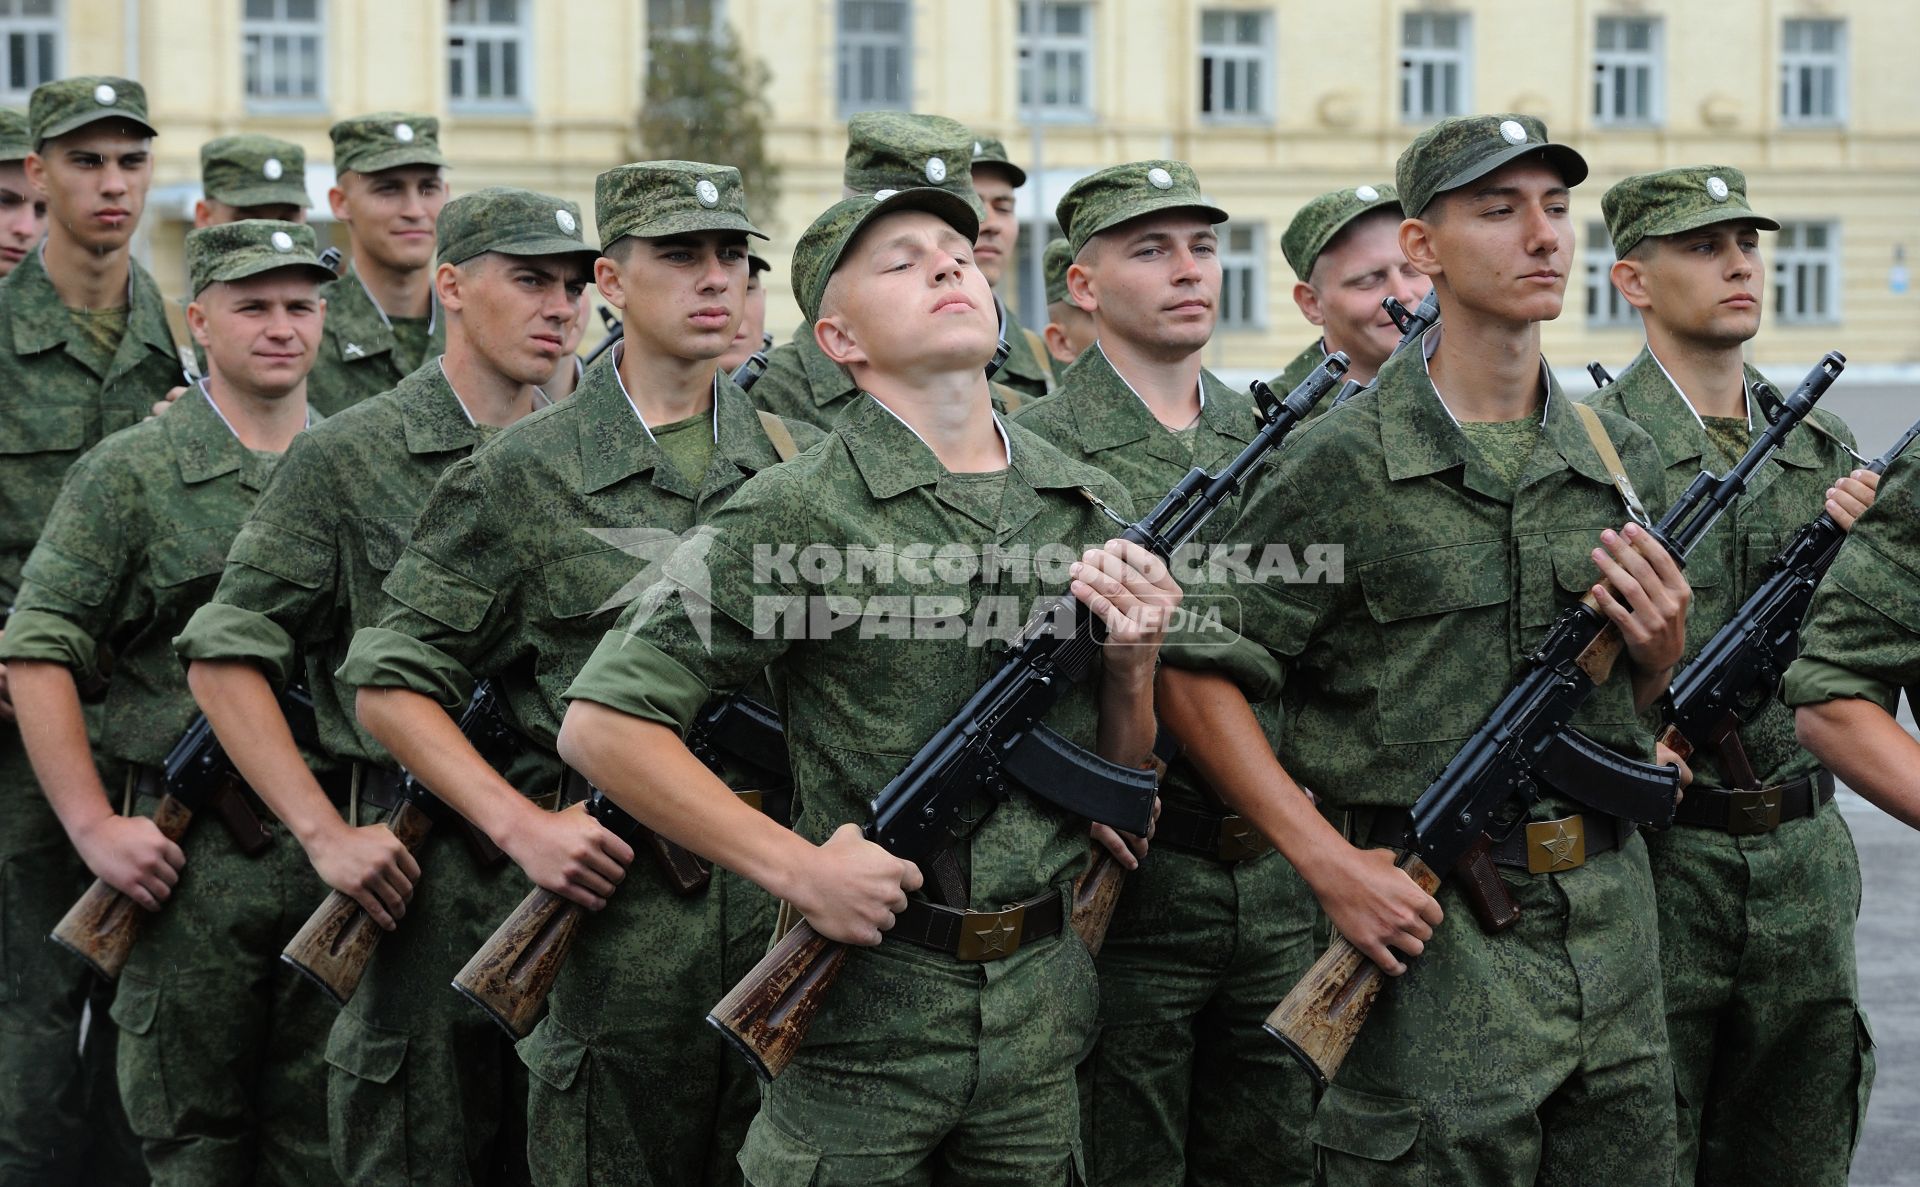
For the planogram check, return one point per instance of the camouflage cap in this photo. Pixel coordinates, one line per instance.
(1118, 193)
(757, 263)
(990, 153)
(237, 250)
(821, 245)
(1053, 265)
(512, 221)
(385, 140)
(15, 143)
(656, 198)
(1676, 200)
(60, 106)
(1459, 149)
(899, 150)
(254, 171)
(1320, 220)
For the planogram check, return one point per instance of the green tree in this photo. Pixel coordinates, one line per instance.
(706, 100)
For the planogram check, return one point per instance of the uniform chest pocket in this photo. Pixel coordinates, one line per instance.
(599, 582)
(383, 539)
(1556, 571)
(1442, 617)
(27, 426)
(190, 556)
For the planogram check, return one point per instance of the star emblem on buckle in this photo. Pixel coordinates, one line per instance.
(1559, 847)
(995, 938)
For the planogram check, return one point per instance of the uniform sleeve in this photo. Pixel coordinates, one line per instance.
(78, 583)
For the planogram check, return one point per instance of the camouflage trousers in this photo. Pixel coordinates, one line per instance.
(220, 1042)
(60, 1118)
(921, 1069)
(423, 1087)
(629, 1085)
(1535, 1056)
(1772, 1057)
(1183, 1087)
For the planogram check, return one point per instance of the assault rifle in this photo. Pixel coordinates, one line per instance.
(1486, 790)
(997, 739)
(1599, 375)
(1422, 318)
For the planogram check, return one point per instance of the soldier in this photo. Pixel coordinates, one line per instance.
(752, 334)
(84, 350)
(23, 209)
(921, 1064)
(1069, 328)
(1466, 495)
(251, 177)
(220, 1044)
(382, 320)
(1344, 248)
(1215, 927)
(1028, 368)
(523, 558)
(1688, 248)
(421, 1090)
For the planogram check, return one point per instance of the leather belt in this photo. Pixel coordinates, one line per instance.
(1752, 811)
(1225, 839)
(979, 935)
(1540, 846)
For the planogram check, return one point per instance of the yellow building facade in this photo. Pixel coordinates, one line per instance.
(1271, 103)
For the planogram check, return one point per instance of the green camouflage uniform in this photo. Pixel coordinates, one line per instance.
(60, 1116)
(1311, 230)
(250, 170)
(1183, 1086)
(361, 354)
(1029, 368)
(1756, 931)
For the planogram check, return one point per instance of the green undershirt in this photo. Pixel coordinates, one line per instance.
(688, 444)
(97, 336)
(1504, 445)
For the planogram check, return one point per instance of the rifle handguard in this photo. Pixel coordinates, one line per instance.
(333, 948)
(102, 925)
(512, 973)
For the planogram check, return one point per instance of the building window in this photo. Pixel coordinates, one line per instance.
(1813, 72)
(1606, 308)
(30, 38)
(1056, 58)
(684, 20)
(876, 55)
(1435, 57)
(1806, 273)
(1243, 276)
(1236, 64)
(1626, 71)
(281, 51)
(487, 50)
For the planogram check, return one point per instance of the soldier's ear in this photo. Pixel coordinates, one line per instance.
(1056, 337)
(36, 170)
(197, 323)
(1309, 302)
(1080, 287)
(612, 286)
(447, 281)
(1630, 277)
(837, 341)
(1416, 243)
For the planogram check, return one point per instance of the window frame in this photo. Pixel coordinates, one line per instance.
(1605, 309)
(1252, 260)
(1608, 64)
(870, 40)
(1788, 254)
(1031, 44)
(1413, 57)
(1263, 56)
(52, 26)
(282, 25)
(1838, 60)
(521, 35)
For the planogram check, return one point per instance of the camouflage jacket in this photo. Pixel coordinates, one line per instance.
(135, 543)
(1029, 368)
(1726, 566)
(801, 383)
(1298, 370)
(359, 354)
(53, 407)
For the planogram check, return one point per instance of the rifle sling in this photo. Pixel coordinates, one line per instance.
(1610, 458)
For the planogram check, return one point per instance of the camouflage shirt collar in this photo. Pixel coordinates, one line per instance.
(827, 381)
(890, 455)
(432, 416)
(1109, 413)
(203, 441)
(38, 319)
(1652, 399)
(713, 411)
(1022, 362)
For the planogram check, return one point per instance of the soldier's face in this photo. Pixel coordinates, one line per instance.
(680, 296)
(999, 228)
(1152, 281)
(211, 212)
(96, 180)
(1362, 267)
(907, 301)
(23, 216)
(261, 333)
(1702, 285)
(1501, 245)
(392, 213)
(516, 312)
(753, 324)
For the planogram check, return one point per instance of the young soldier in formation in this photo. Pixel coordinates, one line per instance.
(919, 1065)
(1781, 1104)
(1344, 249)
(1182, 1087)
(251, 177)
(752, 334)
(1468, 499)
(382, 320)
(421, 1089)
(84, 352)
(524, 556)
(220, 1044)
(1069, 328)
(23, 209)
(1028, 370)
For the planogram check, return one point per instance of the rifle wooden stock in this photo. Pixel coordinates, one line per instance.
(1095, 895)
(512, 973)
(333, 947)
(1318, 1021)
(102, 925)
(767, 1014)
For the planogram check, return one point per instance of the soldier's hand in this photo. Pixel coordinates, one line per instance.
(1645, 594)
(6, 694)
(1378, 907)
(571, 854)
(370, 866)
(132, 855)
(1850, 497)
(1135, 594)
(1665, 757)
(165, 402)
(854, 889)
(1127, 849)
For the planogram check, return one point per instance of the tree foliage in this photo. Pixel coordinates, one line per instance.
(706, 100)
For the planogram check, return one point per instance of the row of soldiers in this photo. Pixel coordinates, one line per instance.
(378, 494)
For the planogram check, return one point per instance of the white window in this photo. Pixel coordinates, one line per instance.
(684, 20)
(1236, 64)
(30, 45)
(1606, 308)
(280, 49)
(1813, 72)
(1435, 60)
(487, 51)
(1243, 276)
(1806, 272)
(1626, 71)
(876, 55)
(1056, 58)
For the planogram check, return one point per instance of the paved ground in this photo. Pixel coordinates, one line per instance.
(1889, 1154)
